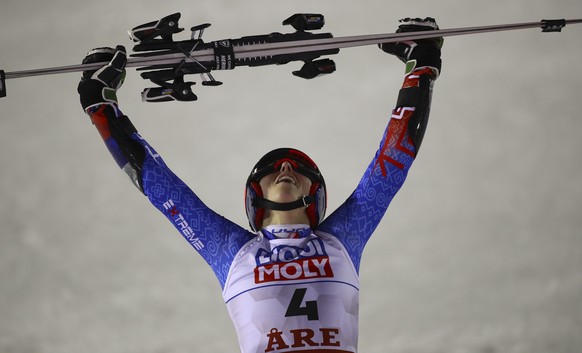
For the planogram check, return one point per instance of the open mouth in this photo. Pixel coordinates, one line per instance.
(286, 179)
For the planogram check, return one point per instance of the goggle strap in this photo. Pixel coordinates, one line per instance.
(312, 174)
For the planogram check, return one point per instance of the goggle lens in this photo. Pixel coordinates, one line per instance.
(303, 166)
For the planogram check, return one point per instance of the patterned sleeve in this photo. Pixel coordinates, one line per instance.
(214, 237)
(356, 219)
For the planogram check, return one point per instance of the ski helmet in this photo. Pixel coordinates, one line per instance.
(315, 203)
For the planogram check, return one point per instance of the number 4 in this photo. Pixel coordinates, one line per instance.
(295, 308)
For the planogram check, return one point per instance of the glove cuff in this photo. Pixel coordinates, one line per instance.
(93, 93)
(412, 65)
(426, 53)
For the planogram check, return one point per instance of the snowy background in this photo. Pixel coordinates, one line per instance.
(480, 252)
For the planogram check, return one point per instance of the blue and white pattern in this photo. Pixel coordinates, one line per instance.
(218, 240)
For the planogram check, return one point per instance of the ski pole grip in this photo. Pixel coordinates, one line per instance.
(2, 84)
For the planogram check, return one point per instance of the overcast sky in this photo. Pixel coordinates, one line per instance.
(480, 251)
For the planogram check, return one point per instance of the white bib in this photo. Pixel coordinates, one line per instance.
(286, 295)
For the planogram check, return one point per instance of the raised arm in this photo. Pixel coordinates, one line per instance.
(213, 236)
(357, 218)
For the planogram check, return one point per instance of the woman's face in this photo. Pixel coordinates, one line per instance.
(285, 185)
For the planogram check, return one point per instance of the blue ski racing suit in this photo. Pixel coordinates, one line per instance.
(294, 293)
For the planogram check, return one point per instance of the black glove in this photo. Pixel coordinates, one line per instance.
(422, 52)
(100, 86)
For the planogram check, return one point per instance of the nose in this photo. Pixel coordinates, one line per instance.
(286, 167)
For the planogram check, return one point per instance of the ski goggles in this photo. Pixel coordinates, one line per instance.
(272, 162)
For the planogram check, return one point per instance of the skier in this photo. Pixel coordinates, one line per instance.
(292, 283)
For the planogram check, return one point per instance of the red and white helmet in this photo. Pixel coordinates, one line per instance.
(315, 202)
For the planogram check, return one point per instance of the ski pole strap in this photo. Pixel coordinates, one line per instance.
(553, 25)
(2, 83)
(224, 54)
